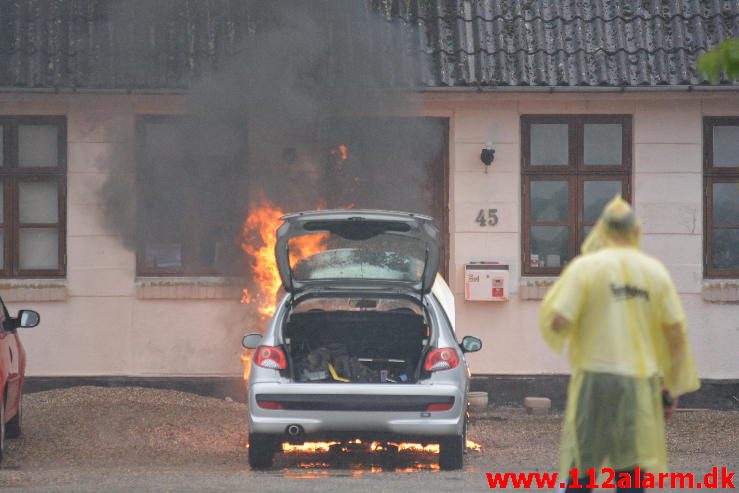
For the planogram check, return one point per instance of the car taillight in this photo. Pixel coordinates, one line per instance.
(270, 405)
(270, 357)
(445, 406)
(441, 359)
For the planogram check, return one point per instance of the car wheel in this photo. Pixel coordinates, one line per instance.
(13, 428)
(451, 452)
(262, 450)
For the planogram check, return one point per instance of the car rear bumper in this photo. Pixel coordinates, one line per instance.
(366, 410)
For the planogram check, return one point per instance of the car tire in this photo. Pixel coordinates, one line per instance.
(2, 428)
(451, 453)
(262, 450)
(13, 428)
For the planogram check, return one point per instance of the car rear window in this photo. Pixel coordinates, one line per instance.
(385, 256)
(357, 304)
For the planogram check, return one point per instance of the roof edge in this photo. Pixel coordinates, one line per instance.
(583, 89)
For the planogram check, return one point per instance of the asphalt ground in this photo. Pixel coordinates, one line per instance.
(94, 439)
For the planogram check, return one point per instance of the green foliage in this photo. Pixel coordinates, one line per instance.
(723, 58)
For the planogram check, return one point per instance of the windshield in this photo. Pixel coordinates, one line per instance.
(386, 256)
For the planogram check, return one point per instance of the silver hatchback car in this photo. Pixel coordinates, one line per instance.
(362, 345)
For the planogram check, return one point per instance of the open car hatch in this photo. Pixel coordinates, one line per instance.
(356, 248)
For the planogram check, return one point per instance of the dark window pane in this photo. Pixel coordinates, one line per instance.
(2, 203)
(597, 194)
(2, 146)
(603, 144)
(726, 203)
(38, 202)
(549, 144)
(37, 145)
(163, 255)
(39, 248)
(726, 145)
(549, 246)
(725, 246)
(549, 200)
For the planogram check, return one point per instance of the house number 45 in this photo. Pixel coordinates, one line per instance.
(489, 218)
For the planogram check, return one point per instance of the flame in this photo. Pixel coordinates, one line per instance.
(307, 447)
(246, 360)
(340, 154)
(470, 445)
(258, 238)
(322, 447)
(343, 152)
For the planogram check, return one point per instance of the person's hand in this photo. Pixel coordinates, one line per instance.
(670, 409)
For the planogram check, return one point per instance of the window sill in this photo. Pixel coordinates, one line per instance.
(721, 290)
(188, 288)
(17, 291)
(535, 288)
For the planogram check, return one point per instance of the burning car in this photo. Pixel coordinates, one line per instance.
(360, 347)
(12, 370)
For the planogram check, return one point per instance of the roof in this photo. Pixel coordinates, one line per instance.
(169, 44)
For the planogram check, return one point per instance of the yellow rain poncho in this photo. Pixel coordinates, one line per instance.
(621, 318)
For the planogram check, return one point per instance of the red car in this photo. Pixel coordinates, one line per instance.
(12, 369)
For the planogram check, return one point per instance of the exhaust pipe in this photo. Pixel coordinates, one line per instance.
(294, 430)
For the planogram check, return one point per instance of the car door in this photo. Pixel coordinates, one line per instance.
(10, 357)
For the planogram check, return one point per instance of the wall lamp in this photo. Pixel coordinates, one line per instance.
(487, 156)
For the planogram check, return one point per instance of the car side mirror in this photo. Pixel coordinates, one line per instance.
(28, 318)
(251, 341)
(471, 344)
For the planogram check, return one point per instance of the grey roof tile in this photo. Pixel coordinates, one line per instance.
(169, 44)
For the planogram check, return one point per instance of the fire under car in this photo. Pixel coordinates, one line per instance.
(362, 344)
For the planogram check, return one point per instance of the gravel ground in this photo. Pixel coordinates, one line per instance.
(134, 439)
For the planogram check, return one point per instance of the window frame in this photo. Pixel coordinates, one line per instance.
(715, 174)
(11, 175)
(576, 173)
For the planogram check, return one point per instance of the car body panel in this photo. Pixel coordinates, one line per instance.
(329, 424)
(356, 255)
(12, 366)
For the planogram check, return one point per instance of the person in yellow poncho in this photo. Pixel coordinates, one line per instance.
(619, 313)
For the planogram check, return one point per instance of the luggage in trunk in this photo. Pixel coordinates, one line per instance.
(356, 346)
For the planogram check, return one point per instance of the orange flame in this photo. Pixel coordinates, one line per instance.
(340, 154)
(246, 360)
(258, 238)
(469, 444)
(322, 447)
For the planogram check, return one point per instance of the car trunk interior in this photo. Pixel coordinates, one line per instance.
(364, 346)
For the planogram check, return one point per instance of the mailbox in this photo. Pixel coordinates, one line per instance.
(485, 281)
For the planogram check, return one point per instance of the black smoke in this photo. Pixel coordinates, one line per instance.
(265, 123)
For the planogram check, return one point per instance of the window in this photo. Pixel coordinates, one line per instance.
(33, 158)
(721, 200)
(572, 166)
(189, 204)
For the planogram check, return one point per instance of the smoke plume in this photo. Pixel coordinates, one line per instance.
(302, 113)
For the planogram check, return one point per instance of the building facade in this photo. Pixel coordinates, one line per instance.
(570, 126)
